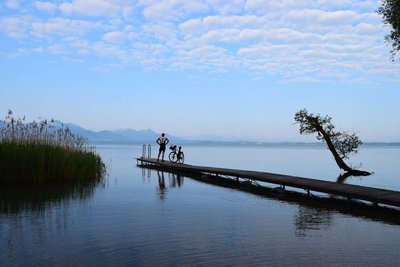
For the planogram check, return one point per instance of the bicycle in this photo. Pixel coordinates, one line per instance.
(176, 156)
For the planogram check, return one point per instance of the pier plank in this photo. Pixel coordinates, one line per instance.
(375, 195)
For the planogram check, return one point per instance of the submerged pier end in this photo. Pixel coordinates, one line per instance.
(364, 193)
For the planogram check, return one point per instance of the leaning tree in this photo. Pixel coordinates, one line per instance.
(341, 144)
(390, 10)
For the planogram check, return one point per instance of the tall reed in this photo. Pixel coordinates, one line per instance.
(45, 152)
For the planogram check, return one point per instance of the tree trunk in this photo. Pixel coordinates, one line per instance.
(338, 159)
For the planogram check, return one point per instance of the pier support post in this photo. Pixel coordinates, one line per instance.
(149, 151)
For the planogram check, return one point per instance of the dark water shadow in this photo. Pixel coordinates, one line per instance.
(26, 198)
(321, 206)
(344, 176)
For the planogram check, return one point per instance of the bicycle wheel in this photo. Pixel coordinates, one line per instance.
(172, 156)
(181, 158)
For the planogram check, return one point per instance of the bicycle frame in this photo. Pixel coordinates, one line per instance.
(176, 156)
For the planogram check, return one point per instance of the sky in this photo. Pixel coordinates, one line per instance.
(208, 68)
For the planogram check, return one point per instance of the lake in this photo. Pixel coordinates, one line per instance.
(142, 217)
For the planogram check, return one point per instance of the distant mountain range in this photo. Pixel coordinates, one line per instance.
(122, 135)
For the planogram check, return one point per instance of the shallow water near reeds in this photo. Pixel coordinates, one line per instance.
(142, 217)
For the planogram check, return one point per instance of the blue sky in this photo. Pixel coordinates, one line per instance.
(233, 69)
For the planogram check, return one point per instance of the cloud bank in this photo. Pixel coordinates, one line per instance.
(315, 41)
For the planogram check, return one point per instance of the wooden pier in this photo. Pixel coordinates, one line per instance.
(374, 195)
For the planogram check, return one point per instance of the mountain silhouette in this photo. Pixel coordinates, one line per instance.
(122, 135)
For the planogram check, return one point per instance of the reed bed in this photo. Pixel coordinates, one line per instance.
(45, 152)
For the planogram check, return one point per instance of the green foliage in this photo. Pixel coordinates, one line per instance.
(40, 133)
(390, 10)
(38, 153)
(344, 143)
(309, 123)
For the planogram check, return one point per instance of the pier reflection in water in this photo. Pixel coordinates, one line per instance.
(175, 180)
(314, 210)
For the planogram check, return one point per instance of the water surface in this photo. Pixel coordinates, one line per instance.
(144, 217)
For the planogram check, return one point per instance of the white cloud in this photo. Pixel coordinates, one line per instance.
(320, 17)
(224, 28)
(38, 50)
(109, 51)
(192, 26)
(15, 26)
(166, 10)
(100, 49)
(227, 7)
(151, 56)
(114, 37)
(12, 4)
(62, 26)
(284, 6)
(262, 6)
(206, 57)
(45, 6)
(164, 31)
(57, 49)
(96, 7)
(369, 29)
(368, 5)
(218, 22)
(337, 4)
(297, 40)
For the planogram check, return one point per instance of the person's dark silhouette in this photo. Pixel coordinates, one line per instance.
(162, 141)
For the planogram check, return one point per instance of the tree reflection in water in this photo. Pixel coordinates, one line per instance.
(309, 219)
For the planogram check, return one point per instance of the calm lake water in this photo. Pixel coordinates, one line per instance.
(141, 217)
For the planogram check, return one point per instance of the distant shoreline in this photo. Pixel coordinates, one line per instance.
(238, 143)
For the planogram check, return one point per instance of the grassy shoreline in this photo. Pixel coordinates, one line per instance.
(40, 153)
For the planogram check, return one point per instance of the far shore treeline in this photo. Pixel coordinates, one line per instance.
(43, 152)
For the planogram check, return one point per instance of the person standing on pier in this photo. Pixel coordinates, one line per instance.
(162, 141)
